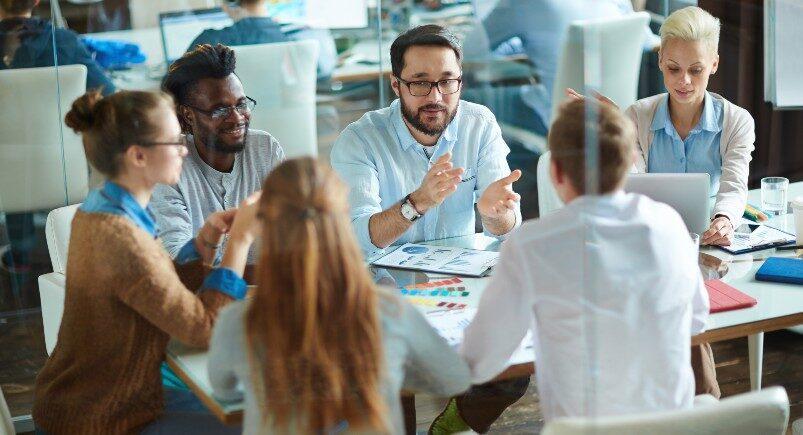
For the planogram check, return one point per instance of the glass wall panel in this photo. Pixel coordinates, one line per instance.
(312, 67)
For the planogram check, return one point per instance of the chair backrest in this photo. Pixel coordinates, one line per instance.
(146, 13)
(57, 233)
(548, 199)
(42, 162)
(763, 412)
(281, 78)
(620, 48)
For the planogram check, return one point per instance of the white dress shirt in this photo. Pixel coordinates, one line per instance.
(612, 289)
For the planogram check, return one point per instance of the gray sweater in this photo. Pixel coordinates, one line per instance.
(201, 190)
(416, 359)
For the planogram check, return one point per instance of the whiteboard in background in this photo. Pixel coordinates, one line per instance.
(783, 53)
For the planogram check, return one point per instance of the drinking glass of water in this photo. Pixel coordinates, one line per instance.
(773, 194)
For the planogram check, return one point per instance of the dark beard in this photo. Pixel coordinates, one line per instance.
(214, 144)
(415, 118)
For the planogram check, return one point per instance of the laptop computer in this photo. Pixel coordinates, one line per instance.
(688, 194)
(180, 28)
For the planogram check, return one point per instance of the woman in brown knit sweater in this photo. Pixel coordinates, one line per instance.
(124, 299)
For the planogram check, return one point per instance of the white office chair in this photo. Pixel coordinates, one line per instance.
(145, 13)
(619, 42)
(6, 424)
(51, 285)
(548, 200)
(763, 412)
(38, 153)
(281, 78)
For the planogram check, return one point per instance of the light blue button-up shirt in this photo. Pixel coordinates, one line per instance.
(382, 163)
(699, 153)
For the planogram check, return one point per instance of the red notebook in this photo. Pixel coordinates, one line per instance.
(726, 298)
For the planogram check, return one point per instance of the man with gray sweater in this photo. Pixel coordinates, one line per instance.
(227, 161)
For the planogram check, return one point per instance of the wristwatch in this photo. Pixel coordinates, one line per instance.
(408, 210)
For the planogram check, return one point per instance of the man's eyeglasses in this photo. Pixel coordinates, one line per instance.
(422, 88)
(243, 108)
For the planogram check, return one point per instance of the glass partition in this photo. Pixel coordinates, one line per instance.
(313, 67)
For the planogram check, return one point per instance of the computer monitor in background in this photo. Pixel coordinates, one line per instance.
(323, 14)
(179, 29)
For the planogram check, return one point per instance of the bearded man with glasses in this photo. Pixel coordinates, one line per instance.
(416, 169)
(226, 161)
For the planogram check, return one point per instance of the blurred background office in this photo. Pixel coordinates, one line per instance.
(519, 55)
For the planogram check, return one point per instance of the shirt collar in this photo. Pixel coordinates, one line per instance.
(121, 198)
(709, 119)
(599, 204)
(406, 139)
(661, 119)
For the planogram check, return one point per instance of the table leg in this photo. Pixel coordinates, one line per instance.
(755, 349)
(408, 408)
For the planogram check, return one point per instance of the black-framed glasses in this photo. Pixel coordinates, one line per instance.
(244, 107)
(422, 88)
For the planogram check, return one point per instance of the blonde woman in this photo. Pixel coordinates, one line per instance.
(689, 129)
(319, 349)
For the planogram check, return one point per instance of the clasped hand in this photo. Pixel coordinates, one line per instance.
(241, 223)
(442, 180)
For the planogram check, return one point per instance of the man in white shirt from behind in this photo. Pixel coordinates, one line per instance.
(609, 283)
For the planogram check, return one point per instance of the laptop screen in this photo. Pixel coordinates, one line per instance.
(179, 29)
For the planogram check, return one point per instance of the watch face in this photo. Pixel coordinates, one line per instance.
(408, 211)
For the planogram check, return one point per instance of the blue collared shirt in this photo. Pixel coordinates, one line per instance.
(699, 153)
(113, 199)
(382, 163)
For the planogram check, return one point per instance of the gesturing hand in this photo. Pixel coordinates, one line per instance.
(499, 197)
(719, 233)
(574, 95)
(440, 181)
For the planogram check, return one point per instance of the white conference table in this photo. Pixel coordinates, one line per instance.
(779, 306)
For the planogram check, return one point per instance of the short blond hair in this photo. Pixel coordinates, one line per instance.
(691, 24)
(616, 137)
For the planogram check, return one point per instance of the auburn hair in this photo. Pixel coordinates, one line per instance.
(312, 327)
(615, 144)
(109, 125)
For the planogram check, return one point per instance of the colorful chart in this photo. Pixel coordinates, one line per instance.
(436, 304)
(443, 288)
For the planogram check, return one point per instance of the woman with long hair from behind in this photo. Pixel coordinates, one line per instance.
(319, 348)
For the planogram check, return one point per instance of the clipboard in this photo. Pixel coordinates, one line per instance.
(757, 237)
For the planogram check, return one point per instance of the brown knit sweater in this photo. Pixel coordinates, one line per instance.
(124, 300)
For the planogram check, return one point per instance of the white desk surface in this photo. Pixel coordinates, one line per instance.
(779, 306)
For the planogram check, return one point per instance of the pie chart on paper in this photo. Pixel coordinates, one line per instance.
(415, 250)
